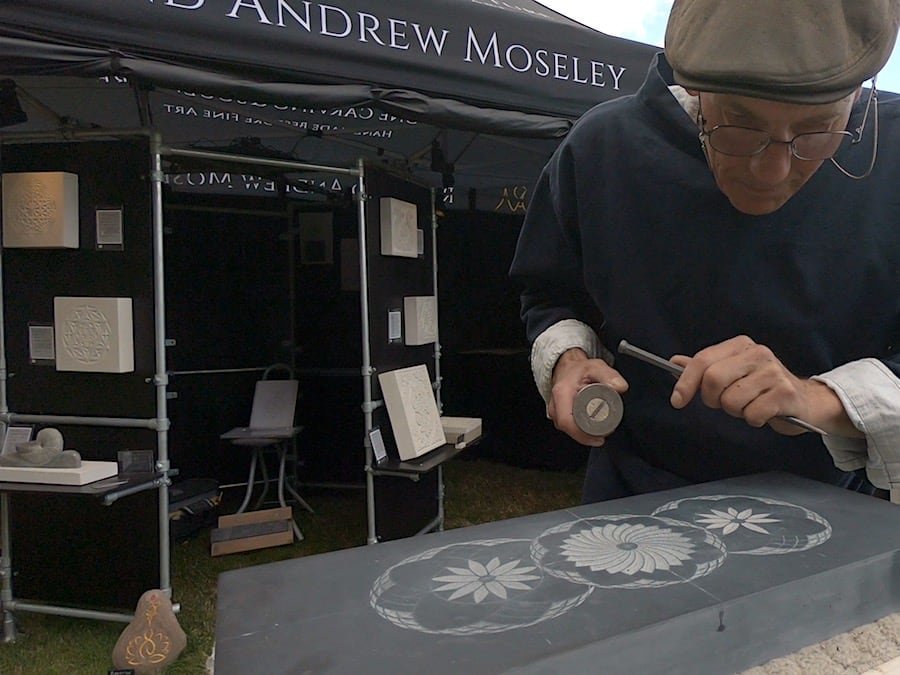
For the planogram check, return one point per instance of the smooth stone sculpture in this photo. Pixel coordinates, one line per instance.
(153, 639)
(45, 452)
(50, 438)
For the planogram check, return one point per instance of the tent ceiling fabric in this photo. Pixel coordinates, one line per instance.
(495, 83)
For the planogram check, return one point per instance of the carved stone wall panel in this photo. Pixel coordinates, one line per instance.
(412, 410)
(94, 335)
(399, 222)
(420, 320)
(40, 210)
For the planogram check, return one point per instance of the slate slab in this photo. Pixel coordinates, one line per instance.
(712, 578)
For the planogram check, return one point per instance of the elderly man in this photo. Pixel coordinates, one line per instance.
(732, 215)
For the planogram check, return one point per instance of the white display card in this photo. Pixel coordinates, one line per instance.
(110, 230)
(395, 330)
(15, 435)
(40, 343)
(377, 441)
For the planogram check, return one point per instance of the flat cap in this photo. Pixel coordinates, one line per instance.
(797, 51)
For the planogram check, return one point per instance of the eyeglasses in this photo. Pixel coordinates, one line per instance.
(747, 142)
(738, 141)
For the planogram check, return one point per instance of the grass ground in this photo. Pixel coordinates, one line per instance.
(477, 491)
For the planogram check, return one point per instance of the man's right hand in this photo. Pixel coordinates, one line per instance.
(574, 370)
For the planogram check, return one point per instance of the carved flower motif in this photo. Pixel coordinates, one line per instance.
(627, 548)
(483, 580)
(731, 520)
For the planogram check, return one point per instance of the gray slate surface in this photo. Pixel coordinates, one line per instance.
(318, 614)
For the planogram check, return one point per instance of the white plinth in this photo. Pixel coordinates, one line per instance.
(94, 335)
(88, 472)
(461, 429)
(399, 224)
(40, 210)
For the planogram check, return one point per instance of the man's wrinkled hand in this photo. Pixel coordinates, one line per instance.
(748, 381)
(573, 371)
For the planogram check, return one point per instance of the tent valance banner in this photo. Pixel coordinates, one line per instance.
(511, 54)
(462, 94)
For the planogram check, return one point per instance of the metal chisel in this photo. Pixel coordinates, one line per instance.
(676, 370)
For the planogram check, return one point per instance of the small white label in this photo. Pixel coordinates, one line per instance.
(420, 241)
(394, 325)
(378, 448)
(109, 227)
(14, 436)
(40, 343)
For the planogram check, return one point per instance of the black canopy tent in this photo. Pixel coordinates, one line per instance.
(471, 96)
(466, 95)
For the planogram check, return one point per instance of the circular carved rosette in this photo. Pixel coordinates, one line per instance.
(487, 586)
(627, 551)
(752, 525)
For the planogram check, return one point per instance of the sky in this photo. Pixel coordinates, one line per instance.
(645, 21)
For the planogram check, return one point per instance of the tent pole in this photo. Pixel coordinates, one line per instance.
(292, 233)
(248, 159)
(4, 404)
(361, 199)
(6, 596)
(69, 135)
(439, 520)
(437, 334)
(161, 378)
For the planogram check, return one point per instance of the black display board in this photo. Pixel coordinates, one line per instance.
(402, 506)
(109, 174)
(73, 550)
(62, 542)
(391, 278)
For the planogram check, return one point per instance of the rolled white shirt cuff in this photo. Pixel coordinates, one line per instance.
(557, 339)
(870, 394)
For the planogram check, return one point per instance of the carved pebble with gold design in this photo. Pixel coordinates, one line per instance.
(153, 639)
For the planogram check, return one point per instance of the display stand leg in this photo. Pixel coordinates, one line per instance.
(6, 596)
(440, 490)
(259, 452)
(282, 451)
(284, 484)
(250, 480)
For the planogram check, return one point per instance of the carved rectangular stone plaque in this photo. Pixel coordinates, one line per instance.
(412, 410)
(40, 210)
(420, 319)
(94, 334)
(398, 228)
